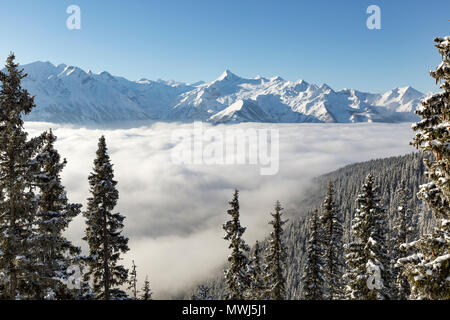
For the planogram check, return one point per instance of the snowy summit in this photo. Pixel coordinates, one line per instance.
(68, 94)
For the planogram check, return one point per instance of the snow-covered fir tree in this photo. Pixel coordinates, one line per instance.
(332, 247)
(104, 230)
(53, 251)
(17, 198)
(146, 291)
(368, 275)
(313, 276)
(256, 290)
(132, 282)
(428, 267)
(236, 276)
(202, 293)
(275, 258)
(403, 230)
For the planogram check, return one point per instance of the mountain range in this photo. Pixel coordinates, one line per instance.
(68, 94)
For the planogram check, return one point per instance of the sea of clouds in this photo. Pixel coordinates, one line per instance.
(174, 212)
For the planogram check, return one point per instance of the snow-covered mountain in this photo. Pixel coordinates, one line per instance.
(69, 94)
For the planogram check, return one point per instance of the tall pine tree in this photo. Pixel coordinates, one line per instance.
(275, 259)
(236, 276)
(403, 229)
(146, 291)
(132, 282)
(54, 252)
(428, 268)
(103, 232)
(368, 276)
(17, 198)
(333, 247)
(313, 277)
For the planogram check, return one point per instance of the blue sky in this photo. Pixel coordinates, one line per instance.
(318, 41)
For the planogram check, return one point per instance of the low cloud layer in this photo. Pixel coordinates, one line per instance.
(174, 213)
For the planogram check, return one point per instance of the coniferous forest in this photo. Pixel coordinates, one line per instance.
(378, 230)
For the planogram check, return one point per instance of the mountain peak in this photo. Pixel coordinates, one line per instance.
(227, 75)
(276, 78)
(403, 92)
(107, 76)
(325, 87)
(143, 81)
(410, 90)
(40, 67)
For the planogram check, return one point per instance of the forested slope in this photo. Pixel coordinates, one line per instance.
(347, 182)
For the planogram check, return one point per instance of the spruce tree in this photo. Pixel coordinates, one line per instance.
(256, 290)
(236, 276)
(53, 251)
(428, 268)
(146, 292)
(202, 293)
(313, 277)
(403, 229)
(333, 247)
(132, 282)
(275, 259)
(17, 198)
(368, 276)
(104, 228)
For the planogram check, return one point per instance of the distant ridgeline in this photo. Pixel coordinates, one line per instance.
(347, 183)
(68, 94)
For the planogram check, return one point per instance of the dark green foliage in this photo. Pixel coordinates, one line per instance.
(428, 267)
(236, 276)
(368, 275)
(18, 203)
(313, 278)
(403, 230)
(257, 288)
(333, 247)
(275, 259)
(53, 251)
(132, 282)
(146, 291)
(103, 232)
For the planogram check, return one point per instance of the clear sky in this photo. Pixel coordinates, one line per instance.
(190, 40)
